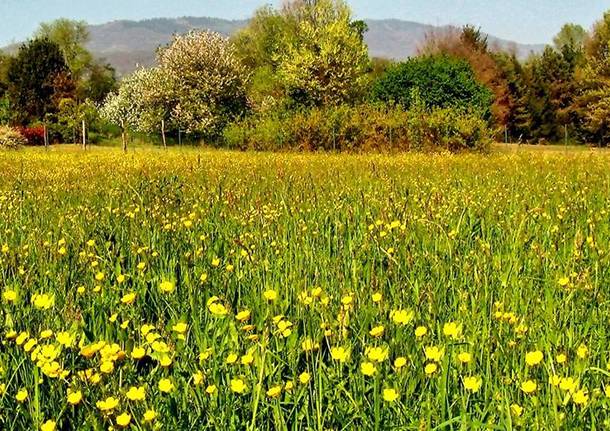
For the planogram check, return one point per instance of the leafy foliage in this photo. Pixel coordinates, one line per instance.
(33, 135)
(36, 77)
(10, 138)
(362, 128)
(309, 53)
(472, 46)
(442, 82)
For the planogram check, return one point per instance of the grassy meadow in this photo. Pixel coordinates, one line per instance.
(200, 289)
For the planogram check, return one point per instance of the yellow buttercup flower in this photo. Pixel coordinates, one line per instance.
(390, 395)
(198, 378)
(452, 330)
(238, 386)
(377, 331)
(464, 357)
(243, 315)
(377, 354)
(270, 295)
(400, 362)
(138, 352)
(167, 287)
(166, 386)
(22, 395)
(339, 354)
(48, 426)
(368, 369)
(516, 410)
(9, 295)
(534, 358)
(129, 298)
(529, 386)
(430, 368)
(180, 328)
(402, 317)
(43, 301)
(568, 384)
(123, 420)
(434, 353)
(473, 383)
(580, 397)
(150, 415)
(218, 309)
(136, 393)
(75, 397)
(108, 404)
(274, 392)
(107, 367)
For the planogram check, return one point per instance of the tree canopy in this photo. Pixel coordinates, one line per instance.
(308, 53)
(38, 77)
(441, 81)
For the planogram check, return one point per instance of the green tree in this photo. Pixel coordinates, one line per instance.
(472, 37)
(441, 82)
(470, 45)
(326, 63)
(305, 53)
(71, 37)
(36, 77)
(518, 119)
(100, 80)
(550, 94)
(593, 104)
(4, 65)
(93, 79)
(570, 35)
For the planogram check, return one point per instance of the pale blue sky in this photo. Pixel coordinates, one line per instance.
(526, 21)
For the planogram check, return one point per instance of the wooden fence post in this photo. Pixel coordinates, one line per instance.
(84, 136)
(123, 137)
(46, 138)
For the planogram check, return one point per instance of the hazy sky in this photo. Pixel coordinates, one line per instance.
(526, 21)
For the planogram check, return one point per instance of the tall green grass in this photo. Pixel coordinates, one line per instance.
(512, 248)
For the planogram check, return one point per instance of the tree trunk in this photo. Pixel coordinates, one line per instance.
(123, 137)
(46, 138)
(84, 136)
(163, 133)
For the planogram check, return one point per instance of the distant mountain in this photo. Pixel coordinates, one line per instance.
(130, 44)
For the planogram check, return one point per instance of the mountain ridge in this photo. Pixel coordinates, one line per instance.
(127, 44)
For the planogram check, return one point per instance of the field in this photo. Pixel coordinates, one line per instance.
(200, 289)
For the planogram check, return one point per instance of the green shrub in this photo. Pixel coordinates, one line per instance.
(11, 138)
(442, 81)
(361, 128)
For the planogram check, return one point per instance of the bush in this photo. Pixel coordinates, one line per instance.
(361, 128)
(11, 138)
(33, 135)
(340, 128)
(442, 81)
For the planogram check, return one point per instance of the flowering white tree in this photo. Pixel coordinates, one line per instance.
(198, 87)
(208, 82)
